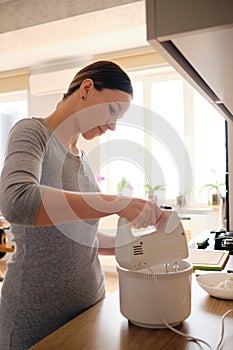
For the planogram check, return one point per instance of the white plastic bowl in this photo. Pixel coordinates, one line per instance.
(210, 281)
(144, 299)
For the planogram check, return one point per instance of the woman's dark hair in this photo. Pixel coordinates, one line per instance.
(105, 75)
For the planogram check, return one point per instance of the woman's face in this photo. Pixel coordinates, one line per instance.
(102, 110)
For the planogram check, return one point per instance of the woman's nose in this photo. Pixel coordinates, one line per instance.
(112, 126)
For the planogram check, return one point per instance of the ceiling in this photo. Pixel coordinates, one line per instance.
(74, 39)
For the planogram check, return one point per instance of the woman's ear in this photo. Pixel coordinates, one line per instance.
(86, 87)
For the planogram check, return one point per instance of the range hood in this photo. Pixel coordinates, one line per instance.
(196, 38)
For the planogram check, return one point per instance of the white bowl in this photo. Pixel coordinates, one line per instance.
(209, 282)
(146, 298)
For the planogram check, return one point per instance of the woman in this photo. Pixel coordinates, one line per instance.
(50, 196)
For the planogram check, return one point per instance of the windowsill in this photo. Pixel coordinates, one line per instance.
(200, 210)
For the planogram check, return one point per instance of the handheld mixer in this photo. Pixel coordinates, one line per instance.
(154, 280)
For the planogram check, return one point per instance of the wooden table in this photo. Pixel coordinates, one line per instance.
(102, 327)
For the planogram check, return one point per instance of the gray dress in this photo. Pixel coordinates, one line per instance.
(54, 273)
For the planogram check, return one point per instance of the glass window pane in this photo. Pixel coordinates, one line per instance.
(137, 93)
(122, 151)
(168, 103)
(13, 107)
(209, 136)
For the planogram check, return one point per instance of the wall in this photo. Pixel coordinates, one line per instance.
(47, 86)
(14, 81)
(41, 106)
(18, 14)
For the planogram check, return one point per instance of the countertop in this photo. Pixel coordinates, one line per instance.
(103, 327)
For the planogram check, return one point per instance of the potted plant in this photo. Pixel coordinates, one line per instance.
(181, 199)
(152, 189)
(124, 187)
(213, 192)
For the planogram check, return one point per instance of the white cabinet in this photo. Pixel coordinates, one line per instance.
(197, 41)
(197, 221)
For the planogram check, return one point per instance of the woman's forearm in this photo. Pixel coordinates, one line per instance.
(58, 207)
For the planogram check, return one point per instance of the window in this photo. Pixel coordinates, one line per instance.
(170, 136)
(209, 147)
(13, 107)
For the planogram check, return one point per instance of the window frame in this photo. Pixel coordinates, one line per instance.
(167, 73)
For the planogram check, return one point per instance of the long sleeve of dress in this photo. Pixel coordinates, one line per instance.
(20, 191)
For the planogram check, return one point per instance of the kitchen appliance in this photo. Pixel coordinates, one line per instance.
(154, 278)
(5, 237)
(223, 241)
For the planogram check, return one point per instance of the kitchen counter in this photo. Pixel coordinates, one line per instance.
(103, 327)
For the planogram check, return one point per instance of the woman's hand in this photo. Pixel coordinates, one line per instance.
(140, 212)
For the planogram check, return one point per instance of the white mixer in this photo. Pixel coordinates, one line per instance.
(154, 280)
